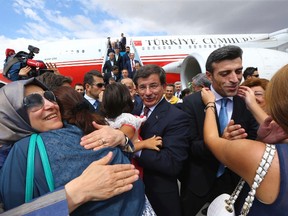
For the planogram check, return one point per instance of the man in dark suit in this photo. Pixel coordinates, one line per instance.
(113, 74)
(130, 65)
(107, 68)
(162, 168)
(122, 42)
(118, 59)
(137, 102)
(203, 177)
(94, 85)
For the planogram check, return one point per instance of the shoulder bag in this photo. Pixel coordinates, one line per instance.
(36, 141)
(223, 205)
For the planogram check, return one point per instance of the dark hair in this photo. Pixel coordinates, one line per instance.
(249, 71)
(147, 70)
(89, 77)
(224, 53)
(185, 92)
(116, 100)
(75, 109)
(53, 81)
(115, 67)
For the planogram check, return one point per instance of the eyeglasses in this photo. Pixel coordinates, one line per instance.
(255, 75)
(35, 101)
(99, 85)
(152, 87)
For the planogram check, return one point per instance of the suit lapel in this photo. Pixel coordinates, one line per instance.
(237, 109)
(157, 114)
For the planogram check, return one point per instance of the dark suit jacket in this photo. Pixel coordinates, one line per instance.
(131, 71)
(107, 68)
(108, 75)
(138, 104)
(200, 171)
(92, 108)
(119, 62)
(161, 169)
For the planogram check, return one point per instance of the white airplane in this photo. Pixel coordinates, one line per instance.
(182, 57)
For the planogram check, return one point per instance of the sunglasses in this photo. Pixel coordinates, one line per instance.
(35, 101)
(99, 85)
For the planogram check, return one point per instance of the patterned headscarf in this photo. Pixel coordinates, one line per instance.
(14, 120)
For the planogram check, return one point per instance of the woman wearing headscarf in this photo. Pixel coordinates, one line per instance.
(30, 108)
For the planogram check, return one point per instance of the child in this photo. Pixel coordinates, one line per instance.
(116, 106)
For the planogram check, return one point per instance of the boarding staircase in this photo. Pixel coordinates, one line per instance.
(133, 49)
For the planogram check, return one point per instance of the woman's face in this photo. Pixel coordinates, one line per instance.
(47, 117)
(259, 95)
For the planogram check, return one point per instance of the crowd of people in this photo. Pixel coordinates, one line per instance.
(121, 56)
(141, 146)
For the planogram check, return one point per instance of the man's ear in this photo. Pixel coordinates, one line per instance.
(209, 75)
(86, 86)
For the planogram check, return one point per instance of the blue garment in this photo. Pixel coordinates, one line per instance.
(68, 160)
(4, 151)
(13, 72)
(279, 207)
(223, 115)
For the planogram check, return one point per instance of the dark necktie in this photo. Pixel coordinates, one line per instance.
(146, 111)
(95, 104)
(223, 120)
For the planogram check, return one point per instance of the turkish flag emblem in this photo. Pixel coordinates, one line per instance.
(138, 43)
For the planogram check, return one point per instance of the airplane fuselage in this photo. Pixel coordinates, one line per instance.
(76, 57)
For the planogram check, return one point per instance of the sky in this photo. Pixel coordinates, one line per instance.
(43, 20)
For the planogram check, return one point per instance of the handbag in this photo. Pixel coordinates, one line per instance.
(223, 205)
(36, 141)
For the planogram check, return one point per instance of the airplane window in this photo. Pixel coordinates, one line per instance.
(169, 47)
(200, 46)
(164, 47)
(190, 47)
(153, 48)
(143, 48)
(77, 51)
(83, 51)
(195, 46)
(179, 47)
(215, 46)
(148, 48)
(204, 46)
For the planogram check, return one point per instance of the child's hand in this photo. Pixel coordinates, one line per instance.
(153, 143)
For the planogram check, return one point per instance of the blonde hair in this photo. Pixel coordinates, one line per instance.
(277, 97)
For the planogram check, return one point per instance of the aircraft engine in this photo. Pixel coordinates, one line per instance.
(266, 60)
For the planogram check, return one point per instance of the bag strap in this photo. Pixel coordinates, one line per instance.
(30, 168)
(261, 171)
(45, 163)
(36, 139)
